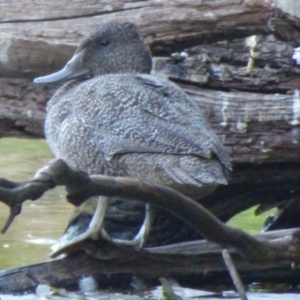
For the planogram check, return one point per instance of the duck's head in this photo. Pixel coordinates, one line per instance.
(116, 47)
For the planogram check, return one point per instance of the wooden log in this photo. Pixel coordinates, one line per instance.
(80, 187)
(246, 85)
(244, 79)
(200, 262)
(32, 30)
(256, 127)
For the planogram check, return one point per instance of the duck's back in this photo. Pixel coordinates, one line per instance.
(140, 126)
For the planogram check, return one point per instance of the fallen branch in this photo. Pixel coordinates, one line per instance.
(234, 274)
(80, 187)
(197, 261)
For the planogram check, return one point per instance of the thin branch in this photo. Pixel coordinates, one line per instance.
(234, 274)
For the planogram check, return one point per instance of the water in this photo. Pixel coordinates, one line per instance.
(41, 223)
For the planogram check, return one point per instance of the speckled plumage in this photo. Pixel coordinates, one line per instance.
(118, 120)
(135, 125)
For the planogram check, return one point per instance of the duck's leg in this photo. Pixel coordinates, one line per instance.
(92, 232)
(141, 237)
(95, 229)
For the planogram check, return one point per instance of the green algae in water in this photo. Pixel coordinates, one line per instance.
(41, 222)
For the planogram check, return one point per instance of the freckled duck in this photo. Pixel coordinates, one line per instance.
(114, 118)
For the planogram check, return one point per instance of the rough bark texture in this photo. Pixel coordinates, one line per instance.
(239, 66)
(107, 273)
(200, 264)
(238, 63)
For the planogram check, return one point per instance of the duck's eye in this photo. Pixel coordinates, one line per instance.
(104, 42)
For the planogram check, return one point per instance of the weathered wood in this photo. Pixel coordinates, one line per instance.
(244, 79)
(37, 37)
(256, 127)
(22, 107)
(275, 185)
(199, 261)
(80, 187)
(256, 63)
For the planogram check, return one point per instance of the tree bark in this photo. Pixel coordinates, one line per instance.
(241, 73)
(200, 261)
(239, 63)
(33, 29)
(275, 249)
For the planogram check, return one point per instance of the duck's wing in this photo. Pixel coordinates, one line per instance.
(163, 119)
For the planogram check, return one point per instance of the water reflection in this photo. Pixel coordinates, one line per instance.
(41, 223)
